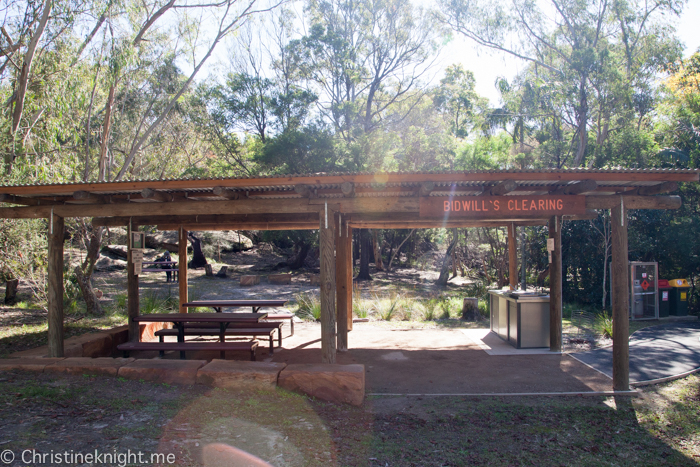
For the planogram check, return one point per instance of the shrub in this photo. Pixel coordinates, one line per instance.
(604, 324)
(360, 307)
(387, 307)
(308, 306)
(430, 307)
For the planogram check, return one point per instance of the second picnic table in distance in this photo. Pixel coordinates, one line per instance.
(219, 305)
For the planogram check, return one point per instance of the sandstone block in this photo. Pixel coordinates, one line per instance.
(148, 330)
(119, 336)
(182, 372)
(240, 375)
(280, 278)
(249, 280)
(27, 364)
(89, 366)
(330, 382)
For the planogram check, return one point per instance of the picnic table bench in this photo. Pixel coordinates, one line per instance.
(202, 331)
(182, 347)
(223, 320)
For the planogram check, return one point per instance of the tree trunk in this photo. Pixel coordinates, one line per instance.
(84, 272)
(298, 261)
(198, 259)
(23, 83)
(445, 270)
(105, 134)
(365, 245)
(391, 260)
(377, 251)
(11, 291)
(92, 303)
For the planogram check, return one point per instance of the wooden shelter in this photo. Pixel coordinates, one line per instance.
(336, 203)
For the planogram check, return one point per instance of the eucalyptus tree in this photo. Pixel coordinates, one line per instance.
(362, 57)
(594, 54)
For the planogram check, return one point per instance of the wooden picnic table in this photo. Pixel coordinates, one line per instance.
(218, 305)
(179, 320)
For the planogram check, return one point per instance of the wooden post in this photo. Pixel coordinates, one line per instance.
(348, 277)
(132, 291)
(555, 291)
(182, 268)
(327, 246)
(55, 286)
(512, 258)
(343, 277)
(620, 299)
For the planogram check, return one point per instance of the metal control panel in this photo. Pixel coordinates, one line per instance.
(644, 303)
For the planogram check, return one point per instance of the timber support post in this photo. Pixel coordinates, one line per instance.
(512, 257)
(555, 286)
(55, 286)
(182, 268)
(132, 291)
(620, 299)
(343, 277)
(327, 247)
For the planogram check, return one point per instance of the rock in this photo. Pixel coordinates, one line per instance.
(470, 309)
(89, 366)
(183, 372)
(105, 264)
(249, 280)
(223, 272)
(240, 375)
(27, 363)
(280, 278)
(114, 251)
(330, 382)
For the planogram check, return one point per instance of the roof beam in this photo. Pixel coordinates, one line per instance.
(347, 189)
(91, 198)
(246, 206)
(665, 187)
(226, 193)
(241, 226)
(500, 189)
(633, 202)
(426, 188)
(5, 198)
(155, 195)
(206, 219)
(577, 188)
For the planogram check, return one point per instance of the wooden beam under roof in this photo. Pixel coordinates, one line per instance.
(661, 188)
(633, 202)
(155, 195)
(175, 208)
(226, 193)
(577, 188)
(26, 201)
(85, 197)
(502, 188)
(241, 226)
(205, 219)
